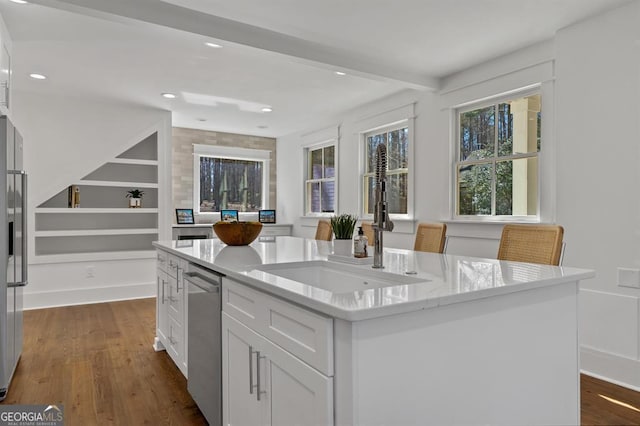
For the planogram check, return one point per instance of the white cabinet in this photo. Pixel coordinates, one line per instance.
(171, 308)
(162, 314)
(264, 384)
(239, 380)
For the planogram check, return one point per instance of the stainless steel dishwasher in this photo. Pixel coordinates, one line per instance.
(204, 352)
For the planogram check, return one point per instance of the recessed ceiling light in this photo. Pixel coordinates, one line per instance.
(19, 1)
(36, 76)
(168, 95)
(214, 45)
(263, 127)
(201, 119)
(340, 73)
(266, 109)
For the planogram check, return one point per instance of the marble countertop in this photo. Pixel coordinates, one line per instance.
(447, 279)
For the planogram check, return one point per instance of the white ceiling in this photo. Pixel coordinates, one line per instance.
(281, 53)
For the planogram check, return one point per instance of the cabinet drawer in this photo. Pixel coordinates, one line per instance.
(161, 260)
(172, 265)
(175, 299)
(305, 334)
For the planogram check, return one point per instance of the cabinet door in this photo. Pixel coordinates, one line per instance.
(162, 305)
(176, 343)
(184, 301)
(240, 404)
(176, 298)
(297, 394)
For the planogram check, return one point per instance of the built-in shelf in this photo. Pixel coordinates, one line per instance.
(134, 161)
(117, 184)
(103, 227)
(92, 257)
(81, 210)
(88, 232)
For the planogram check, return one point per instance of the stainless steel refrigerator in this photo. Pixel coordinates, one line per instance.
(13, 250)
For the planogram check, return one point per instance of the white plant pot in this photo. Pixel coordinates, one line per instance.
(135, 202)
(342, 247)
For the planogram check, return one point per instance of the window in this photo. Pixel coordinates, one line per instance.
(320, 185)
(497, 158)
(230, 178)
(396, 138)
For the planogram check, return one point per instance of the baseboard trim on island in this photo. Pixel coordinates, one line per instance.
(85, 296)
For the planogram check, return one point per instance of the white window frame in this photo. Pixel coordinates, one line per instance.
(470, 106)
(307, 151)
(406, 122)
(230, 153)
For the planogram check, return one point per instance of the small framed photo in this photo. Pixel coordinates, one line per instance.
(229, 215)
(184, 216)
(267, 216)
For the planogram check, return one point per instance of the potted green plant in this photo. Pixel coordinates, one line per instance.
(135, 198)
(343, 226)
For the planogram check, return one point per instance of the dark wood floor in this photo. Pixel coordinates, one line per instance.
(98, 362)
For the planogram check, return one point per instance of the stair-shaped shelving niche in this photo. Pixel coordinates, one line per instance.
(103, 227)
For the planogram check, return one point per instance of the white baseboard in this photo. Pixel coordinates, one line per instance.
(85, 296)
(610, 367)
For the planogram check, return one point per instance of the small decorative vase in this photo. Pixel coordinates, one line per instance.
(342, 247)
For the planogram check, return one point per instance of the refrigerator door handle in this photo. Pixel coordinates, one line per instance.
(25, 263)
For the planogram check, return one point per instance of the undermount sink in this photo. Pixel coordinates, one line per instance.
(336, 277)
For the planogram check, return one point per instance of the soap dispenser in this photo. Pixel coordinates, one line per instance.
(360, 243)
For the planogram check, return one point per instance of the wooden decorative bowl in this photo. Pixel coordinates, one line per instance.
(237, 233)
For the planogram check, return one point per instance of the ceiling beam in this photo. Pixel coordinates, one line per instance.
(184, 19)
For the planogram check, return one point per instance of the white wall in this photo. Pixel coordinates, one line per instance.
(598, 86)
(590, 76)
(429, 200)
(64, 139)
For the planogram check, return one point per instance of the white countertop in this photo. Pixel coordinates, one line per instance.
(448, 279)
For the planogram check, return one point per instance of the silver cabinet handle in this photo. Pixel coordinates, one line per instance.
(25, 263)
(258, 358)
(171, 339)
(178, 288)
(164, 299)
(250, 370)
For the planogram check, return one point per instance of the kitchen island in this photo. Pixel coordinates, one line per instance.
(432, 339)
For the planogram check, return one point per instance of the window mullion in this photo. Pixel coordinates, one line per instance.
(494, 177)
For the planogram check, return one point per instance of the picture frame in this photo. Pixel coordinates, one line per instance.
(185, 217)
(229, 215)
(267, 216)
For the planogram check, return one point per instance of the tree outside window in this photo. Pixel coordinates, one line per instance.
(230, 184)
(497, 164)
(397, 140)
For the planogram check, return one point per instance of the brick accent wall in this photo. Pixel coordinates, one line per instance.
(182, 159)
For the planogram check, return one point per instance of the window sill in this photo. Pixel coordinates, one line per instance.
(492, 220)
(402, 225)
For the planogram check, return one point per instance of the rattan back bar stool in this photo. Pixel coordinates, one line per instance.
(531, 243)
(430, 237)
(324, 231)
